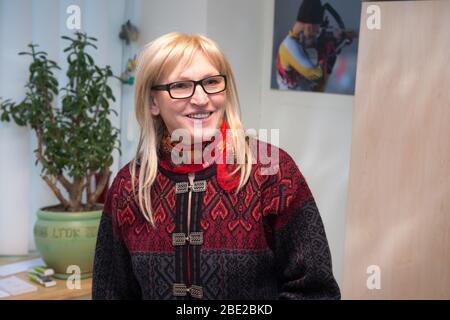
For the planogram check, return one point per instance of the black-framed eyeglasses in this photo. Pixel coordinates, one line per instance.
(186, 88)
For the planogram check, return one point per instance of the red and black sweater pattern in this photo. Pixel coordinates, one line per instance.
(265, 242)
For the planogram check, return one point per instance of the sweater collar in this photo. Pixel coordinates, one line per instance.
(222, 170)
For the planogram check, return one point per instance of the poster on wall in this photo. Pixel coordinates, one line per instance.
(315, 44)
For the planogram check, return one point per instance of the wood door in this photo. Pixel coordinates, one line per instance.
(398, 213)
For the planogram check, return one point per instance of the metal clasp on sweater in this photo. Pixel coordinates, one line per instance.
(181, 290)
(183, 187)
(194, 238)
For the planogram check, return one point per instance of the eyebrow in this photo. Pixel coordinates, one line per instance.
(183, 78)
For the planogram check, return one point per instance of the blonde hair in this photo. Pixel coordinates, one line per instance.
(156, 61)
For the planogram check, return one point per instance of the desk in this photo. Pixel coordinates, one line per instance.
(58, 292)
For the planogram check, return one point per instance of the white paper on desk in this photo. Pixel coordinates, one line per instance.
(4, 294)
(15, 286)
(21, 266)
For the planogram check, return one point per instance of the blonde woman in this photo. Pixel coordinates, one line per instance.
(197, 214)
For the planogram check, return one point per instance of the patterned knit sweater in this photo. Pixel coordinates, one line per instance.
(265, 242)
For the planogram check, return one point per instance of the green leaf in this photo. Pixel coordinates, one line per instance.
(91, 61)
(5, 117)
(109, 93)
(92, 45)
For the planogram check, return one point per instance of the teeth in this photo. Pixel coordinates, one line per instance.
(199, 115)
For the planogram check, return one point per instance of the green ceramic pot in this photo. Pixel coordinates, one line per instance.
(67, 239)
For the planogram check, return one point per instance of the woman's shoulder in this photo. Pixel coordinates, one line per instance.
(125, 171)
(284, 186)
(123, 177)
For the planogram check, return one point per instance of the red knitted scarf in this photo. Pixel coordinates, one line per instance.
(225, 179)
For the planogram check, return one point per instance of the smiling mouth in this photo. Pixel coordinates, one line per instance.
(200, 116)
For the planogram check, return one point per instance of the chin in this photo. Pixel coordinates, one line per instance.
(205, 135)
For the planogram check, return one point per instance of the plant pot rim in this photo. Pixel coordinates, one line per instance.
(44, 214)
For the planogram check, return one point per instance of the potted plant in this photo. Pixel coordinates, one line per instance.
(75, 141)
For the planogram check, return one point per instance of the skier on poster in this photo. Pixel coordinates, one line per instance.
(296, 68)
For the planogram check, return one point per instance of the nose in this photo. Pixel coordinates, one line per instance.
(200, 97)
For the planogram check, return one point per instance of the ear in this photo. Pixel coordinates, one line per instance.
(154, 106)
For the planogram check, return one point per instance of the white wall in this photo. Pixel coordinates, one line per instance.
(236, 26)
(14, 141)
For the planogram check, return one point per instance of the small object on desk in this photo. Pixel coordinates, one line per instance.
(15, 286)
(40, 279)
(42, 271)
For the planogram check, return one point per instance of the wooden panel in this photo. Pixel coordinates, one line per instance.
(398, 213)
